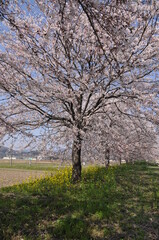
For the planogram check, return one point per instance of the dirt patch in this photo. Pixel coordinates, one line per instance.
(9, 177)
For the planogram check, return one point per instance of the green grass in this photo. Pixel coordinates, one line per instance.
(33, 166)
(119, 203)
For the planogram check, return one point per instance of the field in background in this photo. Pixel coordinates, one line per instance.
(33, 164)
(9, 177)
(22, 170)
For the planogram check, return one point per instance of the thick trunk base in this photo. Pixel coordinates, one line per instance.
(76, 173)
(76, 160)
(107, 164)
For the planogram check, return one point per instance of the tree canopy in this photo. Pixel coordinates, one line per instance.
(67, 64)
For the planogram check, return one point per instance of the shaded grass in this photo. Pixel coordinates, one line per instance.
(120, 203)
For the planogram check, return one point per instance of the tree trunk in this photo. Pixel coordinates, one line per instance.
(76, 160)
(119, 160)
(107, 157)
(127, 161)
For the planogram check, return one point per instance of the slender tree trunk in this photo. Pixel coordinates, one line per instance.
(127, 161)
(119, 160)
(107, 157)
(11, 160)
(76, 160)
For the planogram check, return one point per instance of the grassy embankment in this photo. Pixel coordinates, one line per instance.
(120, 203)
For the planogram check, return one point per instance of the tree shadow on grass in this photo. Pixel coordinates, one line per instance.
(85, 211)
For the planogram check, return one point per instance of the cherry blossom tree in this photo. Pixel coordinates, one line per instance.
(120, 138)
(64, 63)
